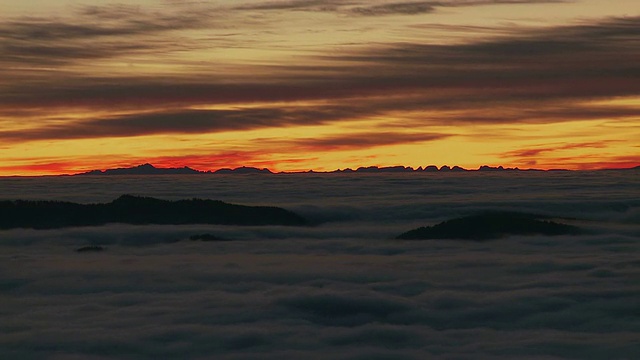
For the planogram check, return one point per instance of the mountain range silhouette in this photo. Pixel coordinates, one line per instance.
(149, 169)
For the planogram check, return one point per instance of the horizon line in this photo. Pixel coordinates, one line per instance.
(361, 169)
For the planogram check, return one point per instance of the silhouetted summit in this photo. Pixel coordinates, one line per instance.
(491, 168)
(384, 169)
(244, 170)
(130, 209)
(490, 225)
(144, 169)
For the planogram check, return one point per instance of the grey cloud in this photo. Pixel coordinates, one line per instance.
(95, 32)
(307, 5)
(242, 299)
(524, 52)
(43, 54)
(98, 21)
(405, 8)
(364, 8)
(360, 140)
(181, 122)
(535, 65)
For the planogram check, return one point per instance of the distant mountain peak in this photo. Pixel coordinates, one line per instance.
(144, 169)
(244, 170)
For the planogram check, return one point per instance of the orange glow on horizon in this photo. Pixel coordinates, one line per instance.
(232, 161)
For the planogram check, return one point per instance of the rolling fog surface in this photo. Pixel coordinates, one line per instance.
(341, 289)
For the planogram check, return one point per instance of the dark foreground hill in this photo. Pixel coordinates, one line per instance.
(130, 209)
(490, 225)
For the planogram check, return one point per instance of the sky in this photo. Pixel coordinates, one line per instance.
(296, 85)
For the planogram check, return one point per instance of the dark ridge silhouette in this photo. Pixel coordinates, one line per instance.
(148, 169)
(207, 237)
(347, 170)
(136, 210)
(90, 248)
(490, 225)
(386, 169)
(244, 170)
(491, 168)
(145, 169)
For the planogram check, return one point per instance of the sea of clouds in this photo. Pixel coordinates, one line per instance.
(340, 289)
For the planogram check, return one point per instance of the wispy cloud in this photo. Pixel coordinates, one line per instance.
(307, 5)
(377, 8)
(364, 140)
(398, 8)
(180, 122)
(539, 150)
(95, 32)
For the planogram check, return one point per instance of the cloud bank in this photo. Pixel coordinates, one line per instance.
(342, 289)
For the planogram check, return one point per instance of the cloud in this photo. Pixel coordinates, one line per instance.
(336, 310)
(532, 76)
(364, 8)
(362, 140)
(306, 5)
(526, 65)
(340, 289)
(100, 32)
(622, 161)
(242, 299)
(180, 122)
(611, 34)
(535, 56)
(401, 8)
(91, 33)
(537, 151)
(99, 21)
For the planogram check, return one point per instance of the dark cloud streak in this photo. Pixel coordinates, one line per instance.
(362, 140)
(95, 32)
(180, 122)
(537, 151)
(306, 5)
(406, 8)
(364, 8)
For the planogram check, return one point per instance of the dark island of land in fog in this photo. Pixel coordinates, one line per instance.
(491, 225)
(128, 209)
